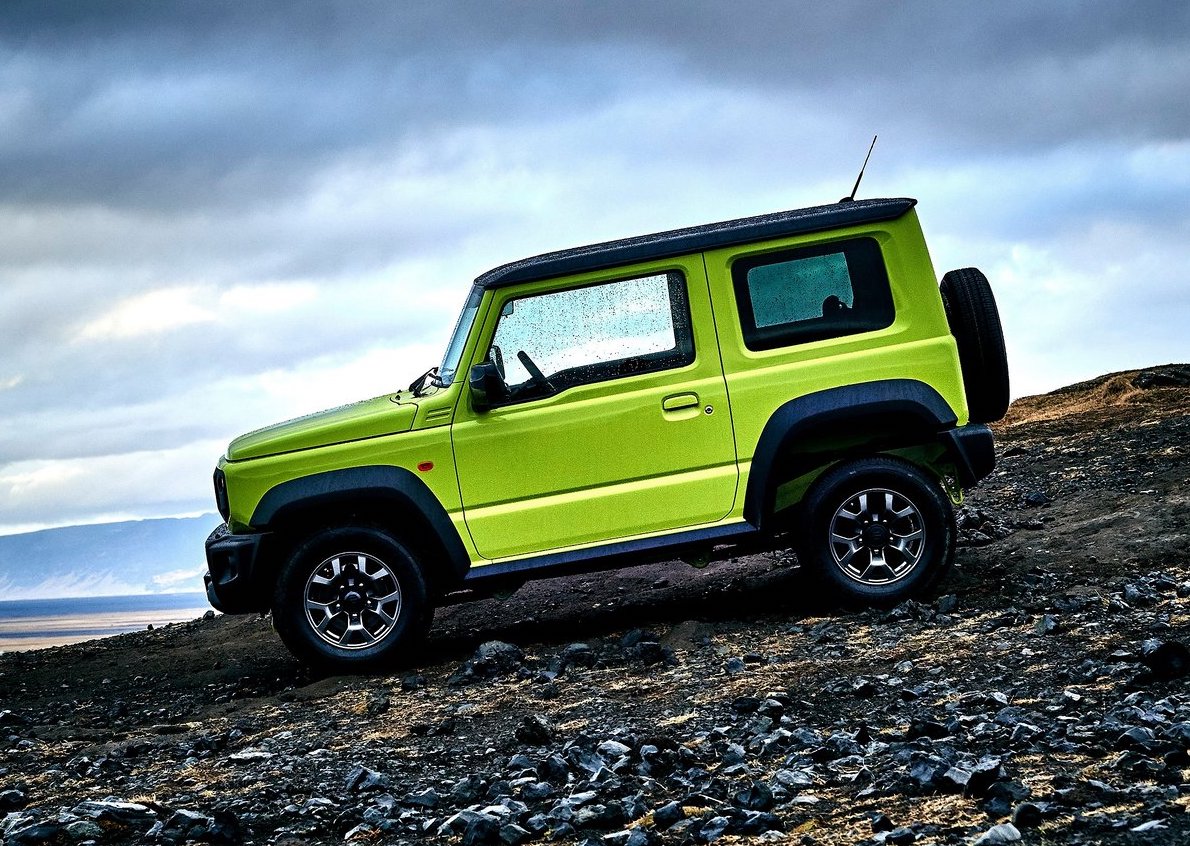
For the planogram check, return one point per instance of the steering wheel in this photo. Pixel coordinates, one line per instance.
(534, 372)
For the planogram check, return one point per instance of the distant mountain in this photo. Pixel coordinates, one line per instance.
(107, 559)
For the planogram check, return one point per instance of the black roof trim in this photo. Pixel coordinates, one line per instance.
(695, 239)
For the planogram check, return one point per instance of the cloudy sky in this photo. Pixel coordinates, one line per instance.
(217, 215)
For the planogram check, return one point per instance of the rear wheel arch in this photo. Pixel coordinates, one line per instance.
(819, 429)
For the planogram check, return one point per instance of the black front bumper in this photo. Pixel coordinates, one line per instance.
(234, 566)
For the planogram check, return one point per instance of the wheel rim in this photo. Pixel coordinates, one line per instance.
(353, 600)
(877, 537)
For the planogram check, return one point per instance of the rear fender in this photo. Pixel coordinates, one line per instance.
(813, 430)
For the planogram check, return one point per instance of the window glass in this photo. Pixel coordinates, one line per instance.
(812, 293)
(594, 333)
(454, 349)
(795, 290)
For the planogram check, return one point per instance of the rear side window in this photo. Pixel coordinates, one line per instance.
(812, 293)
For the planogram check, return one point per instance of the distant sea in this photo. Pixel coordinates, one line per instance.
(38, 623)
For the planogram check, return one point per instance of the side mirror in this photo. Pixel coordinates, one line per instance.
(487, 388)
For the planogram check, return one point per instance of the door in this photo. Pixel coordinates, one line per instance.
(616, 422)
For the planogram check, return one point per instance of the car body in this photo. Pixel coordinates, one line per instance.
(686, 392)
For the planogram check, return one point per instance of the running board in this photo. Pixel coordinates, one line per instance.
(488, 579)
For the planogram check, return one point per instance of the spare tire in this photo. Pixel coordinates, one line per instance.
(975, 323)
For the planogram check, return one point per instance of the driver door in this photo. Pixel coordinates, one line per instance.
(616, 421)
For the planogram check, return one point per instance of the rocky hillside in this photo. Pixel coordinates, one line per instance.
(1040, 697)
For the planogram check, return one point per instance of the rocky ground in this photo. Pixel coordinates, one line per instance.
(1041, 696)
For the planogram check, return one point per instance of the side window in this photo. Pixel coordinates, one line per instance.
(812, 293)
(594, 333)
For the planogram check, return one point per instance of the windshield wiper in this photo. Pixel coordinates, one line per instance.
(419, 384)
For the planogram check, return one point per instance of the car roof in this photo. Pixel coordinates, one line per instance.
(695, 239)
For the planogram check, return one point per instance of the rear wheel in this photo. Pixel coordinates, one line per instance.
(351, 599)
(876, 531)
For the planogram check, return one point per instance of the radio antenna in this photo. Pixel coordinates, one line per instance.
(855, 188)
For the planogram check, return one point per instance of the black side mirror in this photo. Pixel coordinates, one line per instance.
(487, 387)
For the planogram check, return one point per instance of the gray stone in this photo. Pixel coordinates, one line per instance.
(184, 824)
(714, 828)
(1026, 815)
(1047, 624)
(628, 837)
(538, 790)
(496, 656)
(1003, 833)
(360, 778)
(513, 834)
(83, 830)
(553, 769)
(535, 730)
(11, 800)
(467, 790)
(954, 779)
(579, 654)
(428, 798)
(1166, 659)
(38, 834)
(613, 749)
(1137, 737)
(667, 815)
(250, 756)
(122, 813)
(756, 797)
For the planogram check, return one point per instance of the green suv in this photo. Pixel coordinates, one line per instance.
(795, 379)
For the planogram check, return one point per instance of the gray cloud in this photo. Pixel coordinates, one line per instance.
(229, 104)
(214, 214)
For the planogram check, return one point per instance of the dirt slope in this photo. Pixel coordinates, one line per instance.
(667, 705)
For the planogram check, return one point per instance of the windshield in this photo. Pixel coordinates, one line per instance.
(454, 350)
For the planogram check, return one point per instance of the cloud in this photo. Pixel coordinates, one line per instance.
(215, 215)
(150, 483)
(153, 313)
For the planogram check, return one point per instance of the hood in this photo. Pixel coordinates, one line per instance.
(386, 415)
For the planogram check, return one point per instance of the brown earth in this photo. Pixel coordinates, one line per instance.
(736, 695)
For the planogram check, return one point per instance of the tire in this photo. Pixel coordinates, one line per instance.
(351, 599)
(975, 323)
(861, 551)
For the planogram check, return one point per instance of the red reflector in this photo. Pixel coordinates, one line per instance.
(425, 465)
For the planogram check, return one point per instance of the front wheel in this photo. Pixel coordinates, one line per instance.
(351, 599)
(876, 531)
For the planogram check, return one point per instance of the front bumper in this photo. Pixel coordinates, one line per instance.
(233, 570)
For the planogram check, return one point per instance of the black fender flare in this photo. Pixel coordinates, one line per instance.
(371, 483)
(899, 405)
